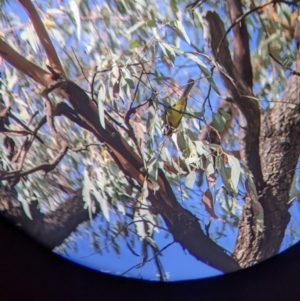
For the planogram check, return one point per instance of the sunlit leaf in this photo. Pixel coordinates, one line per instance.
(169, 51)
(250, 186)
(101, 98)
(145, 191)
(181, 141)
(235, 171)
(190, 179)
(24, 202)
(139, 225)
(146, 214)
(29, 35)
(74, 8)
(223, 172)
(86, 192)
(178, 25)
(133, 44)
(104, 205)
(153, 172)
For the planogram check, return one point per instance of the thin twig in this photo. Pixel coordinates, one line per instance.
(148, 260)
(85, 147)
(239, 19)
(80, 65)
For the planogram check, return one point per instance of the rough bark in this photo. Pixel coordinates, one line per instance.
(278, 153)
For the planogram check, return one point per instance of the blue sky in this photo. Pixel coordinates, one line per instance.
(177, 263)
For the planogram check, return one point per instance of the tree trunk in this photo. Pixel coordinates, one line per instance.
(278, 151)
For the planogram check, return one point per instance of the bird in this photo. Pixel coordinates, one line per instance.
(172, 116)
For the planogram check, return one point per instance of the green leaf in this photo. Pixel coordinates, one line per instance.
(135, 27)
(174, 5)
(181, 141)
(225, 114)
(169, 52)
(219, 122)
(151, 162)
(178, 25)
(150, 125)
(165, 155)
(250, 186)
(139, 225)
(294, 192)
(144, 190)
(121, 208)
(133, 44)
(210, 169)
(23, 201)
(57, 35)
(190, 179)
(152, 169)
(116, 248)
(152, 242)
(86, 192)
(101, 98)
(129, 81)
(193, 135)
(113, 167)
(201, 150)
(148, 216)
(153, 172)
(29, 35)
(151, 23)
(220, 165)
(102, 200)
(235, 171)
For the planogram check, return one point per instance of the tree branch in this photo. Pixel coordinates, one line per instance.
(22, 64)
(241, 49)
(248, 106)
(280, 150)
(163, 200)
(43, 35)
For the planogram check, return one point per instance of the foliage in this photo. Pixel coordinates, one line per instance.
(133, 59)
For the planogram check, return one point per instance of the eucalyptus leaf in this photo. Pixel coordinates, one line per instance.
(219, 122)
(133, 44)
(101, 98)
(190, 179)
(220, 165)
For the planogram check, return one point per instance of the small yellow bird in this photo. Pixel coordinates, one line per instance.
(172, 116)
